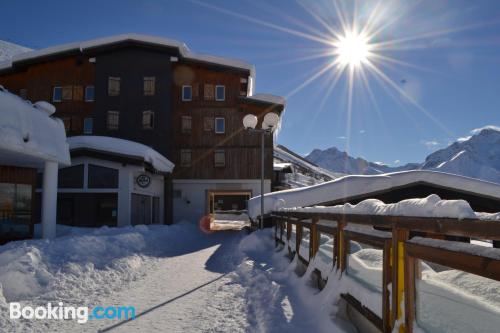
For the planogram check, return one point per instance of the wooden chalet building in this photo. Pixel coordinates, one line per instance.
(154, 91)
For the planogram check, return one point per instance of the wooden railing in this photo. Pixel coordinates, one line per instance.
(392, 235)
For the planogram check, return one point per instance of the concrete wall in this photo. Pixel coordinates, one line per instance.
(192, 204)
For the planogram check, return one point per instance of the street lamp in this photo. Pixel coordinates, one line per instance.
(269, 123)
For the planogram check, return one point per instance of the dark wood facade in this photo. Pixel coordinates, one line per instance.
(131, 62)
(242, 148)
(73, 72)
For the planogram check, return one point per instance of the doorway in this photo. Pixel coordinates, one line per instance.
(141, 209)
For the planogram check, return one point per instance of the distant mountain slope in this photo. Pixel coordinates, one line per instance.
(8, 50)
(477, 156)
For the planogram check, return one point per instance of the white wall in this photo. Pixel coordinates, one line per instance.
(192, 205)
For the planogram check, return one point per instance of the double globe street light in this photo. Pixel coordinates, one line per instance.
(269, 124)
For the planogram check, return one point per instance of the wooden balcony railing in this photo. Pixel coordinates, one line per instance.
(396, 237)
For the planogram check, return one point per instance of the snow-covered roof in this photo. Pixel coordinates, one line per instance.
(28, 133)
(352, 186)
(280, 166)
(268, 98)
(152, 40)
(127, 148)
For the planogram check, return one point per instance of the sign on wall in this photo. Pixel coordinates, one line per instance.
(143, 180)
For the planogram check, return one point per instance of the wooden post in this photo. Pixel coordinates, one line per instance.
(298, 237)
(399, 237)
(386, 280)
(410, 275)
(314, 239)
(342, 247)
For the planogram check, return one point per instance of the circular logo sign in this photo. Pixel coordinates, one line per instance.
(143, 180)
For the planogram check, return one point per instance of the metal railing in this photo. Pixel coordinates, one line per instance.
(392, 235)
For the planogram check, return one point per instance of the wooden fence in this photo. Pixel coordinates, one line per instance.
(392, 235)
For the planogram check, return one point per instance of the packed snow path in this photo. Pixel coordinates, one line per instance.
(177, 278)
(188, 292)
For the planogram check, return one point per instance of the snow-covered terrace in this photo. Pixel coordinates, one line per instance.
(353, 186)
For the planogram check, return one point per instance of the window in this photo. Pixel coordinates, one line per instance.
(57, 94)
(67, 93)
(208, 92)
(149, 85)
(148, 119)
(89, 93)
(102, 177)
(113, 86)
(219, 158)
(71, 177)
(23, 93)
(88, 124)
(187, 93)
(113, 120)
(220, 93)
(208, 124)
(15, 210)
(187, 123)
(78, 93)
(220, 125)
(185, 157)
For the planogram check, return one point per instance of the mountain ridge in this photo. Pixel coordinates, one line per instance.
(476, 156)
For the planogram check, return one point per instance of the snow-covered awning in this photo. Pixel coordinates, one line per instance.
(121, 147)
(28, 134)
(358, 185)
(112, 40)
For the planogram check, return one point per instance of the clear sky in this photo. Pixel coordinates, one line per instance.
(436, 76)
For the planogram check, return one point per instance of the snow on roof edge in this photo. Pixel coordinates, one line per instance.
(93, 43)
(28, 130)
(122, 146)
(268, 98)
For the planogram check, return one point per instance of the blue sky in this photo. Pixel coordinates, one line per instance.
(445, 76)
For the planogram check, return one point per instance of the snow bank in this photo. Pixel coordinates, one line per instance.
(431, 206)
(123, 147)
(86, 263)
(30, 131)
(350, 186)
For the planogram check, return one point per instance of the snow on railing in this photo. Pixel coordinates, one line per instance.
(388, 264)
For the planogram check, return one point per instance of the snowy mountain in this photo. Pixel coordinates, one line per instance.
(477, 156)
(303, 172)
(339, 161)
(8, 50)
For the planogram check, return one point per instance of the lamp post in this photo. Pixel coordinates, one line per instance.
(269, 123)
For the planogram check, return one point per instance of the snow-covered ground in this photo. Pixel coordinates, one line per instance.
(177, 277)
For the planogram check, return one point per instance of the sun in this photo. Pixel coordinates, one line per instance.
(352, 49)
